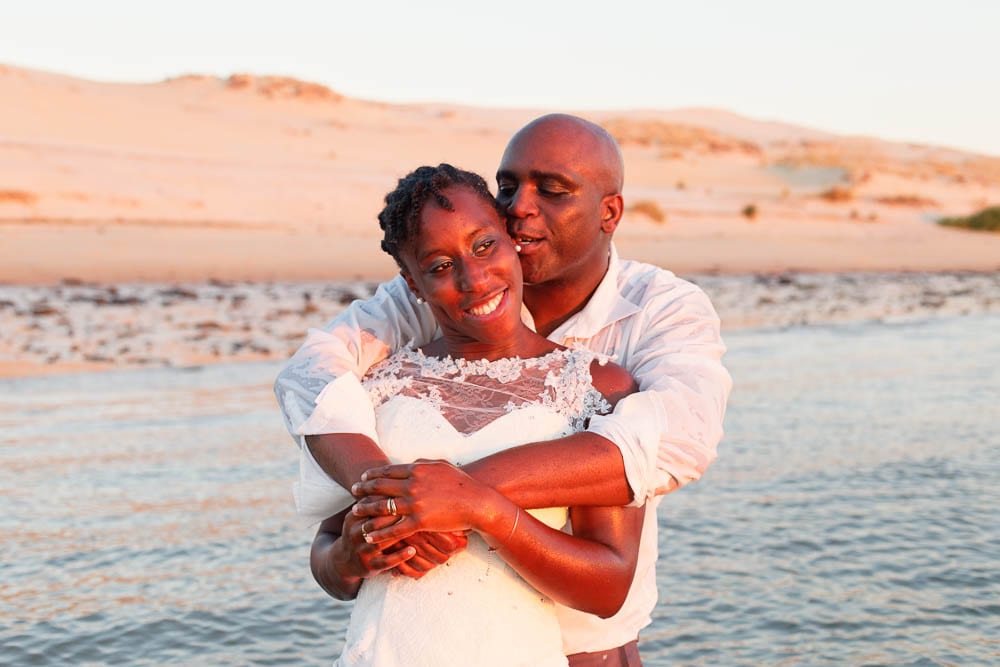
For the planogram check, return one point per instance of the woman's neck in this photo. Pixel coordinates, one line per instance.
(524, 344)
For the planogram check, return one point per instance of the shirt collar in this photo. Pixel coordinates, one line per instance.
(605, 307)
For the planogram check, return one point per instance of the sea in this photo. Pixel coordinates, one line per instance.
(851, 518)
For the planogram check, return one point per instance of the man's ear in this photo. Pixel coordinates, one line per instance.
(612, 207)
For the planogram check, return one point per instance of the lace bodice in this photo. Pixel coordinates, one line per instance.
(473, 394)
(467, 612)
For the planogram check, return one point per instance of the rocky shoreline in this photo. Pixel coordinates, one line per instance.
(84, 326)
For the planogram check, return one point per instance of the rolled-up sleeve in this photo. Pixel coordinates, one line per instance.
(366, 332)
(675, 355)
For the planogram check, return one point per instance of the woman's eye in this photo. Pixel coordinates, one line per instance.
(440, 266)
(484, 246)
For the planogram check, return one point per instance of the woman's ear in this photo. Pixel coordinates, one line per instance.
(412, 285)
(612, 207)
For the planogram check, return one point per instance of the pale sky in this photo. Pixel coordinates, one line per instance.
(924, 71)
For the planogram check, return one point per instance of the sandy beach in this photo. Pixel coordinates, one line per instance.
(201, 219)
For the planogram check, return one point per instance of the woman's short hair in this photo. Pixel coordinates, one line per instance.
(400, 218)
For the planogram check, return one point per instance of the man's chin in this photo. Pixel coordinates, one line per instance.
(531, 272)
(530, 279)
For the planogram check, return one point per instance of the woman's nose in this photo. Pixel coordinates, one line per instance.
(472, 276)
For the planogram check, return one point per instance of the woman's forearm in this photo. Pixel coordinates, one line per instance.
(590, 570)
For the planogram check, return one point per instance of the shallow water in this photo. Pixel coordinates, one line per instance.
(146, 518)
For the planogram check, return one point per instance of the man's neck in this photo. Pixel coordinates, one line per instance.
(551, 304)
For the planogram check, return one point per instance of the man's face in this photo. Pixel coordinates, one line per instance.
(547, 182)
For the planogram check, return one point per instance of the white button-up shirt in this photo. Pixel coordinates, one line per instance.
(662, 329)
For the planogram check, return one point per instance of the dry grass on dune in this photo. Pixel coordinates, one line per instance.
(666, 135)
(18, 197)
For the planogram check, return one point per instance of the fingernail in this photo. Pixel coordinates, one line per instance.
(355, 488)
(355, 510)
(364, 476)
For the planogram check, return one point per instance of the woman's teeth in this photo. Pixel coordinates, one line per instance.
(489, 306)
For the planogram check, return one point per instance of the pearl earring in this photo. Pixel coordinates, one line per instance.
(421, 300)
(517, 248)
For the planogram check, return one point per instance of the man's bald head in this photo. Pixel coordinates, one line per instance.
(582, 142)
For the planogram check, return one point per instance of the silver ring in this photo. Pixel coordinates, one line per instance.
(364, 533)
(390, 505)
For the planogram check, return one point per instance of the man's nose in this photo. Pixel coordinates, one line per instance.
(522, 203)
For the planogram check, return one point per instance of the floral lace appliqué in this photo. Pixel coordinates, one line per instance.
(472, 394)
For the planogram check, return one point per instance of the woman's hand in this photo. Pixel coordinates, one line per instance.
(433, 549)
(427, 496)
(340, 557)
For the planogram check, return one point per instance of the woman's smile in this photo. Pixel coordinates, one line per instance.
(489, 306)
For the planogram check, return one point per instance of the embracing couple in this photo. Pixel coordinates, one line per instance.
(487, 439)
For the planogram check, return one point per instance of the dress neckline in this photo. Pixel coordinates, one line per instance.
(481, 366)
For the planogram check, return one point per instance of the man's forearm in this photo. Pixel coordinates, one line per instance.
(582, 469)
(344, 456)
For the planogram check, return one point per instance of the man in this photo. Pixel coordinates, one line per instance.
(560, 181)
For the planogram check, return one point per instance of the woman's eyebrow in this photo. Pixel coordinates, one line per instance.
(479, 231)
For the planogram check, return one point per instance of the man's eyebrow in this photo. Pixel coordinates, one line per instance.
(539, 175)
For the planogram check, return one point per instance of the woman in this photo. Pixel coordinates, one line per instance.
(486, 384)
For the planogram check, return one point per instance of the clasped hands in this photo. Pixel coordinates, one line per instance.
(411, 518)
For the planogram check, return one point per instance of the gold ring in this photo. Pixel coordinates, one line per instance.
(390, 505)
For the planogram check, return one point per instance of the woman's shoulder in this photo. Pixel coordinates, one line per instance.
(611, 380)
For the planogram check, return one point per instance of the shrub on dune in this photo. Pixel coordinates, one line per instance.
(987, 220)
(650, 209)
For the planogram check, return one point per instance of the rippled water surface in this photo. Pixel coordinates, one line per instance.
(851, 519)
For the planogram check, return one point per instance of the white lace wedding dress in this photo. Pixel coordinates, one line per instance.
(474, 610)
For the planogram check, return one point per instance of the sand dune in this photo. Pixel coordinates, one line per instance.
(264, 178)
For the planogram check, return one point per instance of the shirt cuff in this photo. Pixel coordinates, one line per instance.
(317, 496)
(635, 427)
(342, 407)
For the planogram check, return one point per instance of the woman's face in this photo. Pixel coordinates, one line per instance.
(464, 264)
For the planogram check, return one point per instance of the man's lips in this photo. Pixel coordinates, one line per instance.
(527, 243)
